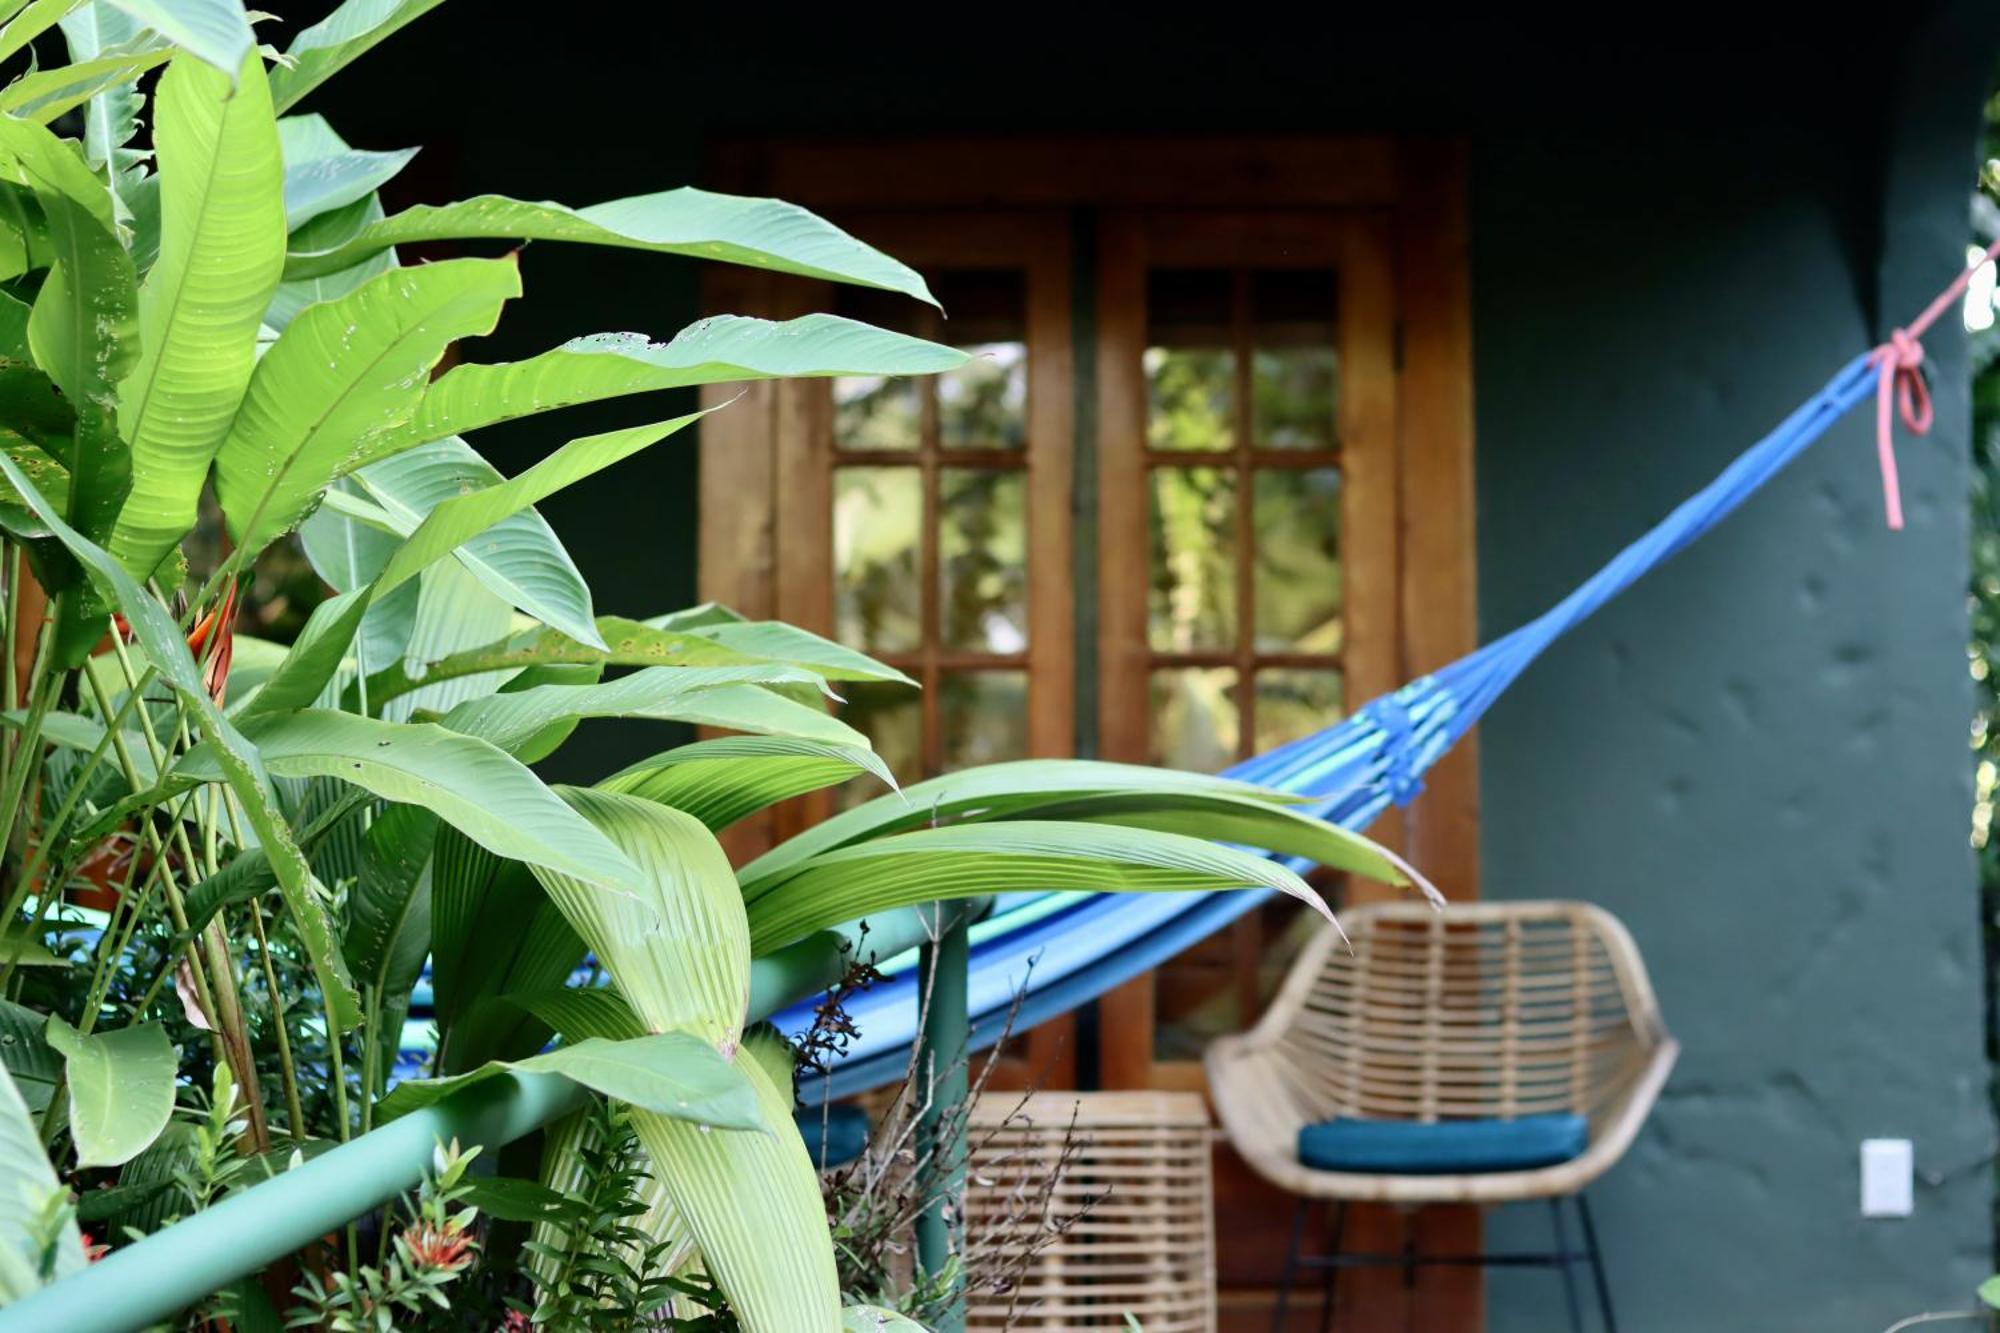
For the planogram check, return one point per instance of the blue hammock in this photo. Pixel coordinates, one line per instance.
(1052, 952)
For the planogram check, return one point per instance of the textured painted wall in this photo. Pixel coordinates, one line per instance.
(1758, 758)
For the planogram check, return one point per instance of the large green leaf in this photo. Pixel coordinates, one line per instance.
(762, 233)
(970, 860)
(344, 374)
(670, 1074)
(323, 182)
(111, 121)
(314, 658)
(28, 1187)
(389, 907)
(474, 787)
(722, 780)
(663, 693)
(452, 612)
(222, 241)
(634, 643)
(49, 93)
(217, 32)
(160, 641)
(679, 950)
(462, 518)
(121, 1088)
(306, 139)
(753, 1205)
(712, 351)
(29, 21)
(992, 791)
(25, 1052)
(324, 49)
(82, 326)
(519, 559)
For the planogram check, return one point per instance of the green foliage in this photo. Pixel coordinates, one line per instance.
(226, 859)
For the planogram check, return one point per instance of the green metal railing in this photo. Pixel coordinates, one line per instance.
(150, 1280)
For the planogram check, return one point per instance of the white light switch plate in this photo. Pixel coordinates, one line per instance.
(1887, 1166)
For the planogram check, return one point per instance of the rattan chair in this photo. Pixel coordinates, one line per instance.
(1478, 1011)
(1139, 1162)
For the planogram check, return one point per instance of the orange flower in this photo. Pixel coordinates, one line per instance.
(445, 1248)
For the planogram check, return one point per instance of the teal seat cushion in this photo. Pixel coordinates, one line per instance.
(1442, 1148)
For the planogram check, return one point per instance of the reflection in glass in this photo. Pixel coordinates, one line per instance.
(983, 716)
(1298, 573)
(891, 716)
(1191, 603)
(1195, 721)
(1189, 362)
(1294, 369)
(1294, 702)
(984, 403)
(876, 515)
(983, 559)
(871, 412)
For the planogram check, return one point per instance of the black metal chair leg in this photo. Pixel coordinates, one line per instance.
(1330, 1271)
(1568, 1272)
(1596, 1265)
(1291, 1266)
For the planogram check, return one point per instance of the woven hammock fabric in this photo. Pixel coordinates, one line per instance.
(1039, 955)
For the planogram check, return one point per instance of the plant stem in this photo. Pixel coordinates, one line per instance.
(293, 1108)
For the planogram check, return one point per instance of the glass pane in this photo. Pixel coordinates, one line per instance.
(891, 716)
(984, 404)
(1191, 605)
(876, 514)
(1298, 570)
(984, 717)
(983, 559)
(1195, 720)
(1190, 363)
(1294, 702)
(1294, 371)
(871, 412)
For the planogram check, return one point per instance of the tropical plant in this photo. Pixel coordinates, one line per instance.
(227, 860)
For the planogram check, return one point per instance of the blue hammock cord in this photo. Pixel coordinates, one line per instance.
(1041, 955)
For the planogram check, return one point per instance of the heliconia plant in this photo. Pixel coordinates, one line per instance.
(228, 861)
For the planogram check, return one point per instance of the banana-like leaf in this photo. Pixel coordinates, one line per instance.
(474, 787)
(992, 791)
(577, 1012)
(111, 121)
(222, 240)
(712, 351)
(671, 1074)
(635, 643)
(314, 658)
(306, 140)
(663, 693)
(679, 951)
(217, 32)
(761, 233)
(342, 375)
(494, 934)
(462, 518)
(452, 612)
(121, 1088)
(389, 907)
(519, 559)
(722, 780)
(160, 642)
(83, 324)
(324, 49)
(28, 1189)
(969, 860)
(30, 22)
(25, 1052)
(752, 1203)
(757, 711)
(49, 93)
(321, 183)
(876, 1319)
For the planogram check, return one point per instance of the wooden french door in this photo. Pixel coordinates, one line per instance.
(1247, 519)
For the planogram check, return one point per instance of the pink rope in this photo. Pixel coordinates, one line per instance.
(1899, 384)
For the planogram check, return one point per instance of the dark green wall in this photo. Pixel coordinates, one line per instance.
(1758, 758)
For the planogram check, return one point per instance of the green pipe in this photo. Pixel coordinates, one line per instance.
(151, 1279)
(942, 1087)
(144, 1283)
